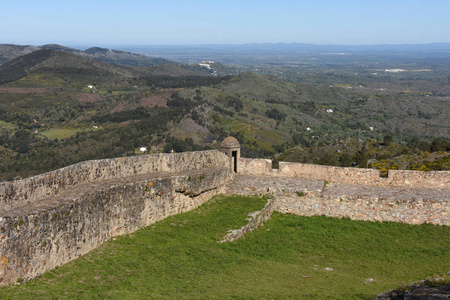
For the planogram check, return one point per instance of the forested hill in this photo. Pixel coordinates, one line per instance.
(9, 52)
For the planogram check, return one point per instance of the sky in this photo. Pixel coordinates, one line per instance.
(177, 22)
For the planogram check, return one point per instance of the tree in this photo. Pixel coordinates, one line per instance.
(439, 144)
(275, 114)
(387, 139)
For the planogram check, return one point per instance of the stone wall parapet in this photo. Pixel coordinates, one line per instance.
(406, 211)
(308, 197)
(370, 177)
(25, 191)
(419, 178)
(49, 219)
(254, 166)
(44, 234)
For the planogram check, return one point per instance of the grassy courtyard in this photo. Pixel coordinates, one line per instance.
(290, 257)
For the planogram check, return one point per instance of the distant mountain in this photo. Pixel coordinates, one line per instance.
(207, 68)
(169, 69)
(280, 48)
(171, 107)
(97, 65)
(9, 52)
(18, 68)
(144, 65)
(64, 64)
(58, 47)
(122, 57)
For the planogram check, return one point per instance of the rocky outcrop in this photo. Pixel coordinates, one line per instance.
(429, 289)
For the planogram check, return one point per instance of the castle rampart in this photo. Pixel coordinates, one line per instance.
(21, 192)
(70, 211)
(248, 166)
(50, 219)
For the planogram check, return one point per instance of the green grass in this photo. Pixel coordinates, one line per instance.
(62, 133)
(6, 126)
(59, 133)
(180, 258)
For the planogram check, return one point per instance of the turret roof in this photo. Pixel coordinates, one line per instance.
(230, 142)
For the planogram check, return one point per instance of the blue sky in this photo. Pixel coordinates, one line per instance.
(139, 22)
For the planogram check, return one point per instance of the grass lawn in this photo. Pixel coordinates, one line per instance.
(180, 258)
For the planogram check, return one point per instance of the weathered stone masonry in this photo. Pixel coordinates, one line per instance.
(413, 197)
(371, 177)
(83, 205)
(50, 219)
(22, 192)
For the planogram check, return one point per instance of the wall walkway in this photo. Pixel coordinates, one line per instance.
(50, 219)
(439, 179)
(308, 197)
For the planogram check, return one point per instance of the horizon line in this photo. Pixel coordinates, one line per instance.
(223, 44)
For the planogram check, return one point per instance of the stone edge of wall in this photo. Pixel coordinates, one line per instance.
(256, 220)
(22, 192)
(35, 243)
(411, 211)
(441, 179)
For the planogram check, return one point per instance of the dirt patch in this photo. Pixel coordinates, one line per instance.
(188, 128)
(123, 124)
(16, 90)
(88, 98)
(157, 100)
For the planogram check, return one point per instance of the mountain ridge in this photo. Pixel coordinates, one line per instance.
(10, 51)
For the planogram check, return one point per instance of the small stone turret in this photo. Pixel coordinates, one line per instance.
(232, 148)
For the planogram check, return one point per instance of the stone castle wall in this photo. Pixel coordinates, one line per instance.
(252, 166)
(70, 211)
(370, 177)
(413, 197)
(50, 219)
(21, 192)
(419, 178)
(383, 210)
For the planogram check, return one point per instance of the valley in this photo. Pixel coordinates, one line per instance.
(59, 106)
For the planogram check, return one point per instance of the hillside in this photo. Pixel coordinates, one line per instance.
(58, 108)
(19, 67)
(62, 64)
(58, 47)
(148, 65)
(122, 57)
(9, 52)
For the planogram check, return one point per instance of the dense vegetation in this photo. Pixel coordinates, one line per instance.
(17, 69)
(182, 82)
(287, 258)
(382, 155)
